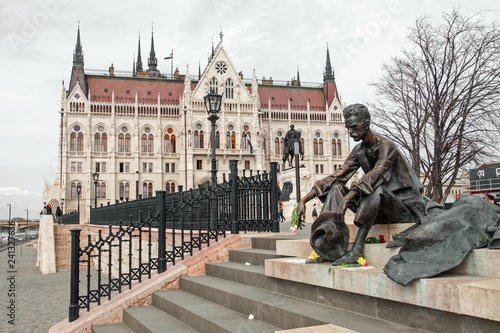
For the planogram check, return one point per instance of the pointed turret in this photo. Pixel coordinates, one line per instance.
(328, 75)
(255, 86)
(199, 70)
(138, 65)
(78, 54)
(329, 86)
(77, 72)
(298, 77)
(187, 81)
(152, 60)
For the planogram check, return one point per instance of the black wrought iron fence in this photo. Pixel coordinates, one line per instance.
(190, 218)
(71, 218)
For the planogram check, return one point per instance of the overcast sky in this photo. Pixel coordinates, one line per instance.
(37, 39)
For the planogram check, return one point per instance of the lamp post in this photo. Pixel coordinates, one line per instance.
(27, 221)
(96, 179)
(78, 192)
(212, 104)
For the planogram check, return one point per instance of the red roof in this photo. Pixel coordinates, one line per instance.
(101, 89)
(279, 97)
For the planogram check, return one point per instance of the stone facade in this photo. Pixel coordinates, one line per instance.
(146, 132)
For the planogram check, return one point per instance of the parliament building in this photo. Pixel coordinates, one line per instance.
(144, 130)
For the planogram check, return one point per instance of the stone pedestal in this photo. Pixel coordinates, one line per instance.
(46, 257)
(288, 176)
(306, 184)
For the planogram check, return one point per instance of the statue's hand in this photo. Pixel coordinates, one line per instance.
(341, 209)
(301, 212)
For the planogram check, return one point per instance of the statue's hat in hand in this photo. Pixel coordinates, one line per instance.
(329, 237)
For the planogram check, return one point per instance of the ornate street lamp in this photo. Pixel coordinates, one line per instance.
(96, 179)
(78, 192)
(212, 104)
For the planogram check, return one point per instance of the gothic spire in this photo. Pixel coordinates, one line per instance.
(152, 60)
(78, 54)
(298, 77)
(77, 72)
(138, 65)
(328, 75)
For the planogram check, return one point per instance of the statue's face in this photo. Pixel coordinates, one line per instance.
(357, 127)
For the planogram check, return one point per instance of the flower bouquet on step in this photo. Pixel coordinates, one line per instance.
(361, 263)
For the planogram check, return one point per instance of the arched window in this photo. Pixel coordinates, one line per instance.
(76, 139)
(124, 190)
(169, 141)
(104, 142)
(282, 144)
(127, 143)
(172, 141)
(103, 190)
(72, 142)
(144, 143)
(74, 194)
(302, 145)
(213, 85)
(244, 139)
(336, 145)
(147, 190)
(318, 145)
(97, 142)
(100, 140)
(121, 143)
(124, 141)
(277, 150)
(196, 139)
(150, 143)
(98, 190)
(216, 140)
(79, 142)
(229, 88)
(170, 187)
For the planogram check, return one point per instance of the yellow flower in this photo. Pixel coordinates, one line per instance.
(313, 255)
(361, 261)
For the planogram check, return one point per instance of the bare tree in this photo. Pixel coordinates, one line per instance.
(440, 100)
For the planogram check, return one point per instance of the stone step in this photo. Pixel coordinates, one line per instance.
(206, 316)
(252, 256)
(477, 263)
(280, 310)
(453, 293)
(153, 320)
(112, 328)
(268, 243)
(319, 329)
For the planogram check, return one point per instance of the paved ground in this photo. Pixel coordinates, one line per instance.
(41, 300)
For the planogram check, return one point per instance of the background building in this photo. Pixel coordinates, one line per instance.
(145, 131)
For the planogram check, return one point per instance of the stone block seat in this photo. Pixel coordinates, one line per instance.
(267, 287)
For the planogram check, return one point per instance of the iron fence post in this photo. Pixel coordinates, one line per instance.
(233, 167)
(162, 260)
(274, 196)
(74, 278)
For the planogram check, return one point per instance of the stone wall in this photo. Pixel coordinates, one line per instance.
(62, 237)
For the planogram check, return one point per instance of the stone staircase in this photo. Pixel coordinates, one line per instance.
(232, 292)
